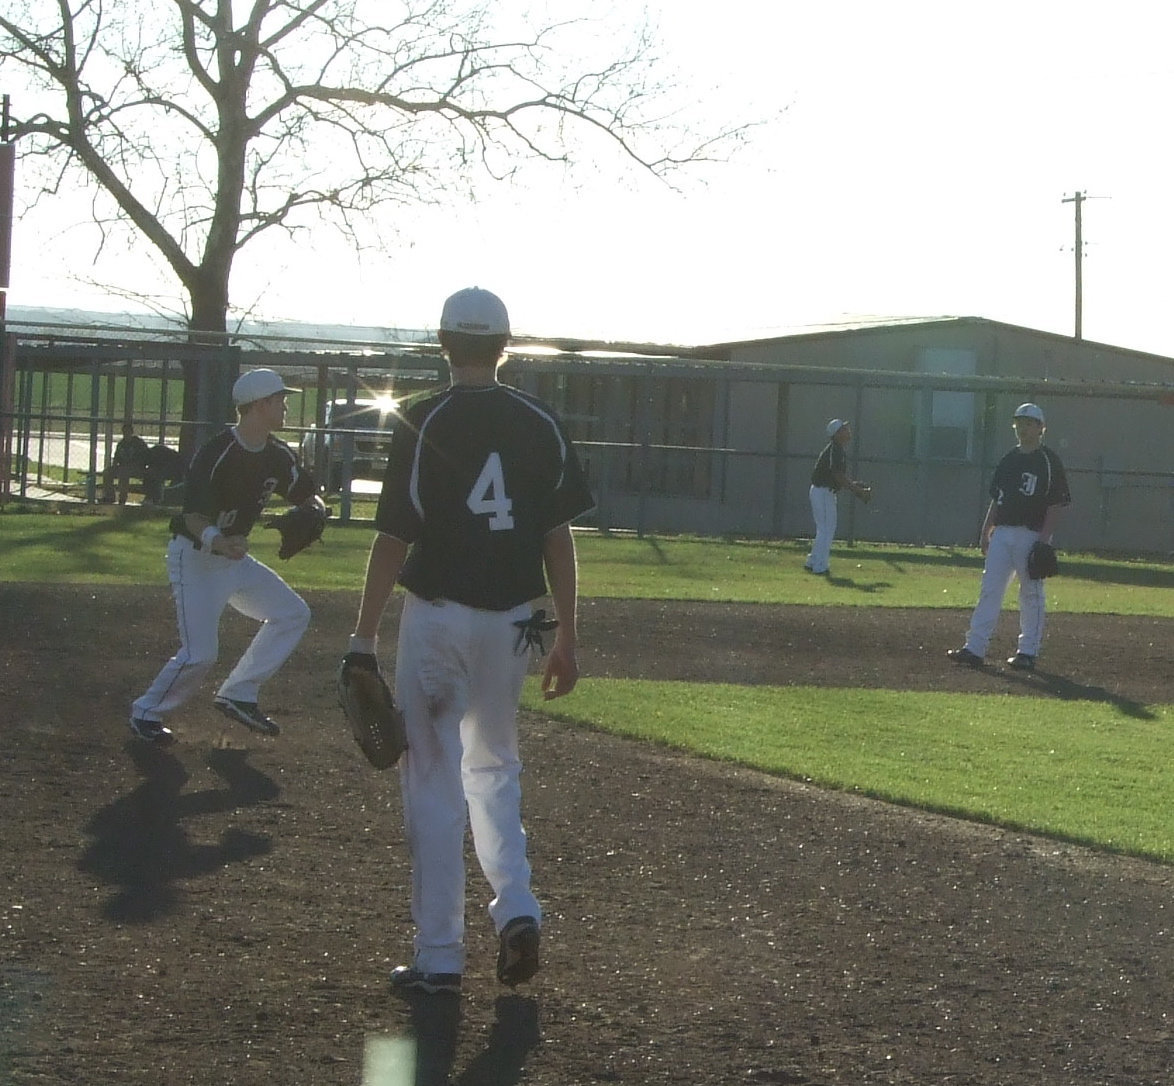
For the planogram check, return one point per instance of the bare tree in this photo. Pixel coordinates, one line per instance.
(200, 131)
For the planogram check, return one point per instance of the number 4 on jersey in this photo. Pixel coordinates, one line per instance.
(488, 497)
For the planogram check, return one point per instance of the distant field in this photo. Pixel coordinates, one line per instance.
(109, 546)
(152, 398)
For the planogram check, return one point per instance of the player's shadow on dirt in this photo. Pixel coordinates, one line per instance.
(1058, 686)
(436, 1022)
(141, 846)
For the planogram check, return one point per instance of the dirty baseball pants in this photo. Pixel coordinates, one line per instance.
(458, 679)
(823, 511)
(203, 585)
(1006, 557)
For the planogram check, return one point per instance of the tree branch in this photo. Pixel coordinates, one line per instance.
(205, 134)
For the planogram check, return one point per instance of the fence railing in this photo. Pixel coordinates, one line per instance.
(63, 406)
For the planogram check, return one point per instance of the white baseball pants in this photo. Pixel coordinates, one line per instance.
(823, 510)
(203, 584)
(458, 679)
(1006, 557)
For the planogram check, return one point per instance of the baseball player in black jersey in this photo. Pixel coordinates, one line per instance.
(828, 478)
(230, 480)
(480, 490)
(1028, 491)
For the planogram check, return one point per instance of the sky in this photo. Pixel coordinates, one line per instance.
(915, 159)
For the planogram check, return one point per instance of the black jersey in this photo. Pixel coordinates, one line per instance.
(476, 478)
(831, 461)
(230, 485)
(1025, 484)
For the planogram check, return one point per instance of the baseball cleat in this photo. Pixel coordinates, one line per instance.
(517, 957)
(965, 656)
(151, 731)
(247, 713)
(406, 978)
(1021, 661)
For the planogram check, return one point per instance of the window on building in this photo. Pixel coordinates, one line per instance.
(951, 423)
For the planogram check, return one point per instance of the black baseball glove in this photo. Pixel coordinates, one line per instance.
(1042, 561)
(299, 527)
(375, 719)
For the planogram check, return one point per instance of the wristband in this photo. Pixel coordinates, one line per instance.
(207, 536)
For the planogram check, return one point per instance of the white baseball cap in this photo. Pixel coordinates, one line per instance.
(256, 385)
(835, 426)
(1029, 411)
(475, 312)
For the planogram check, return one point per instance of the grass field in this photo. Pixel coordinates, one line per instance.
(1085, 772)
(126, 545)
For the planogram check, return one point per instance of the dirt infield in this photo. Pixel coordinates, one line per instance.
(227, 912)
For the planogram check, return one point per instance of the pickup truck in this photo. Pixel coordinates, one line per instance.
(366, 422)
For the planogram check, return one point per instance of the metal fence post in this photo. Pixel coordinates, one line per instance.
(7, 408)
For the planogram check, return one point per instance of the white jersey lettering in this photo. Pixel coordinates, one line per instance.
(488, 498)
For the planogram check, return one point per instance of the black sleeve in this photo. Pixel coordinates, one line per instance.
(571, 496)
(300, 484)
(198, 495)
(1058, 492)
(396, 515)
(303, 487)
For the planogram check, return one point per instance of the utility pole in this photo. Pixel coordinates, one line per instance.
(7, 348)
(7, 196)
(1078, 198)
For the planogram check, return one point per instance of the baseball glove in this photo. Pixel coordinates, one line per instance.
(299, 527)
(1042, 561)
(375, 720)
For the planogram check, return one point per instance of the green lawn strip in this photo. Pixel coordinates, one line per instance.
(1080, 771)
(864, 575)
(127, 544)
